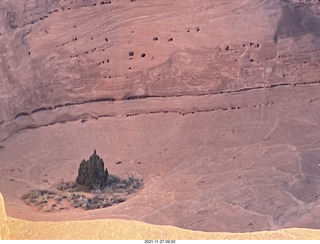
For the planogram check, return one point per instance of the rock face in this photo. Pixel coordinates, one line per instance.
(54, 57)
(4, 229)
(91, 173)
(214, 103)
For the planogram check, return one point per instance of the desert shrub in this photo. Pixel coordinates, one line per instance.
(94, 188)
(33, 194)
(92, 173)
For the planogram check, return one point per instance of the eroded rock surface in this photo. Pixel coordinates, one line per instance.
(214, 103)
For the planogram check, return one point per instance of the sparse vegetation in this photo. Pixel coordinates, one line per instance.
(72, 194)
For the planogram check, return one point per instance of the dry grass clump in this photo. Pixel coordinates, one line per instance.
(71, 195)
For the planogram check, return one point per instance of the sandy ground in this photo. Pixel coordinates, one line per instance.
(191, 170)
(17, 229)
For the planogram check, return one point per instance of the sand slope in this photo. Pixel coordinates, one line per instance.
(4, 228)
(126, 230)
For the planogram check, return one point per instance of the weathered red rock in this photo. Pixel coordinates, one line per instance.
(221, 121)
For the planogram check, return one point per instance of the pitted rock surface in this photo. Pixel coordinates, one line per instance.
(213, 103)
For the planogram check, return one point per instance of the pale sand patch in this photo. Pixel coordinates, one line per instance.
(117, 229)
(4, 229)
